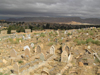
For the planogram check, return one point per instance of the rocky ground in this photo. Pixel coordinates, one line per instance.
(62, 52)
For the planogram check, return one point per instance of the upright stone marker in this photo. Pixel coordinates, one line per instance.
(32, 44)
(45, 71)
(16, 68)
(26, 47)
(66, 48)
(52, 50)
(64, 56)
(70, 58)
(27, 52)
(13, 53)
(42, 56)
(38, 49)
(89, 47)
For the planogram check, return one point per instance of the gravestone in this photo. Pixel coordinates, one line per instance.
(23, 37)
(20, 41)
(52, 50)
(89, 47)
(13, 53)
(65, 32)
(64, 56)
(26, 47)
(27, 52)
(28, 36)
(38, 49)
(45, 71)
(42, 56)
(70, 36)
(58, 32)
(70, 58)
(66, 48)
(16, 67)
(87, 33)
(32, 44)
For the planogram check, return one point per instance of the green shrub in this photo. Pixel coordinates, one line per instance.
(96, 42)
(89, 40)
(50, 44)
(6, 74)
(83, 42)
(96, 60)
(75, 40)
(1, 73)
(79, 42)
(69, 34)
(91, 33)
(60, 40)
(51, 33)
(20, 62)
(42, 35)
(16, 41)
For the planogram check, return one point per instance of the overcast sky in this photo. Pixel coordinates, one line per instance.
(49, 8)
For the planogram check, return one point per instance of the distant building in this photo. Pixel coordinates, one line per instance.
(4, 32)
(27, 30)
(13, 31)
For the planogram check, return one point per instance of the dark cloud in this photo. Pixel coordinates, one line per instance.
(33, 8)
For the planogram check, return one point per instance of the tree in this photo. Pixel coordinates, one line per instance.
(9, 30)
(47, 26)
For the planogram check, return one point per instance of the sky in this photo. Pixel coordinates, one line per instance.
(49, 8)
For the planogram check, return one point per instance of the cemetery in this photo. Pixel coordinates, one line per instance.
(51, 52)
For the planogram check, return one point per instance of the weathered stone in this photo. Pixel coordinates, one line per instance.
(45, 71)
(70, 58)
(64, 56)
(52, 50)
(4, 61)
(27, 52)
(13, 53)
(42, 56)
(80, 64)
(32, 44)
(16, 67)
(38, 49)
(26, 47)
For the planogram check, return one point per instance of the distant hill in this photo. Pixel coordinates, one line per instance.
(57, 19)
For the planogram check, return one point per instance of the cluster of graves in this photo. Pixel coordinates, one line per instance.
(51, 52)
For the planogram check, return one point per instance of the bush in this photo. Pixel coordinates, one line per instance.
(69, 34)
(9, 30)
(91, 33)
(79, 42)
(51, 33)
(42, 35)
(89, 40)
(50, 44)
(75, 40)
(14, 42)
(83, 42)
(20, 62)
(96, 42)
(1, 73)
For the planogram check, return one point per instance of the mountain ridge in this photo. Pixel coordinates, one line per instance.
(56, 19)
